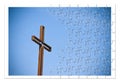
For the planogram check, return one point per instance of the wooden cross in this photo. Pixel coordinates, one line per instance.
(42, 45)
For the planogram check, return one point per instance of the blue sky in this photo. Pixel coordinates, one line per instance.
(23, 52)
(60, 30)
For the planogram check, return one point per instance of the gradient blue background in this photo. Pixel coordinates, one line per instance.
(59, 22)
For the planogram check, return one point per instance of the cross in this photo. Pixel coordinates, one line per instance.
(42, 45)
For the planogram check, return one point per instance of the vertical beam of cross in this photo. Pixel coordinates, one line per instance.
(42, 45)
(41, 53)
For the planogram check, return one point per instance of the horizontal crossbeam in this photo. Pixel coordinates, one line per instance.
(39, 42)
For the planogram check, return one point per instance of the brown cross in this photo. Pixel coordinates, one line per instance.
(42, 45)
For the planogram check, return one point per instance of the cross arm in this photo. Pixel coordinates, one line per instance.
(39, 42)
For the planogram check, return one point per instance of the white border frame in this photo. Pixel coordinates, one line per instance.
(113, 45)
